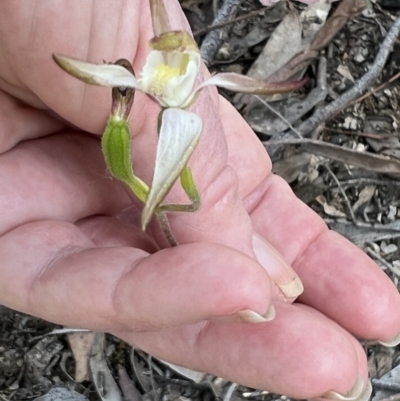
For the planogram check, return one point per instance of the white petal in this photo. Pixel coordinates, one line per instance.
(179, 134)
(178, 89)
(111, 75)
(174, 91)
(153, 59)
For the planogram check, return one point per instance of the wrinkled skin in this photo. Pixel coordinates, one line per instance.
(67, 258)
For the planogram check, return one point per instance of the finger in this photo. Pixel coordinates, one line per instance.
(20, 122)
(275, 356)
(248, 158)
(124, 231)
(106, 231)
(50, 266)
(92, 30)
(62, 177)
(339, 279)
(246, 154)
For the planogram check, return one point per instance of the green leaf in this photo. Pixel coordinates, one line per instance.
(179, 134)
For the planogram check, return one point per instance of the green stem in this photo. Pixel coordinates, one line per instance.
(189, 186)
(166, 228)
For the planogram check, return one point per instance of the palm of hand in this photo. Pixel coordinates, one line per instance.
(67, 258)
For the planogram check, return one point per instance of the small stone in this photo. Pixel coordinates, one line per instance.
(361, 55)
(375, 247)
(392, 213)
(360, 148)
(344, 71)
(359, 58)
(350, 123)
(390, 248)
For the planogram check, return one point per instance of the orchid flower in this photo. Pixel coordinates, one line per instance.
(169, 77)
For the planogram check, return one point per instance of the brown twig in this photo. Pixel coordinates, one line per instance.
(131, 393)
(374, 91)
(276, 112)
(166, 228)
(358, 133)
(386, 385)
(358, 88)
(379, 258)
(342, 191)
(231, 21)
(214, 39)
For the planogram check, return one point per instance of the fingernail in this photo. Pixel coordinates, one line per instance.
(359, 392)
(280, 272)
(391, 343)
(249, 316)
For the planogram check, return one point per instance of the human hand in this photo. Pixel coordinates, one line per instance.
(68, 258)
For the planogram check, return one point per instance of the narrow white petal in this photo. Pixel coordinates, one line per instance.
(179, 134)
(217, 80)
(111, 75)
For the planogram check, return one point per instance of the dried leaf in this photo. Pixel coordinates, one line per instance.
(344, 71)
(102, 378)
(131, 393)
(290, 168)
(232, 388)
(392, 377)
(294, 66)
(368, 161)
(331, 210)
(141, 373)
(313, 18)
(284, 43)
(347, 10)
(364, 197)
(190, 374)
(267, 123)
(362, 233)
(61, 394)
(81, 345)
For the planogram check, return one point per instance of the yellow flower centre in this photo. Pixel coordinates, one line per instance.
(162, 74)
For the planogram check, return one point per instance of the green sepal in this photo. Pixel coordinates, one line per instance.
(189, 185)
(116, 147)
